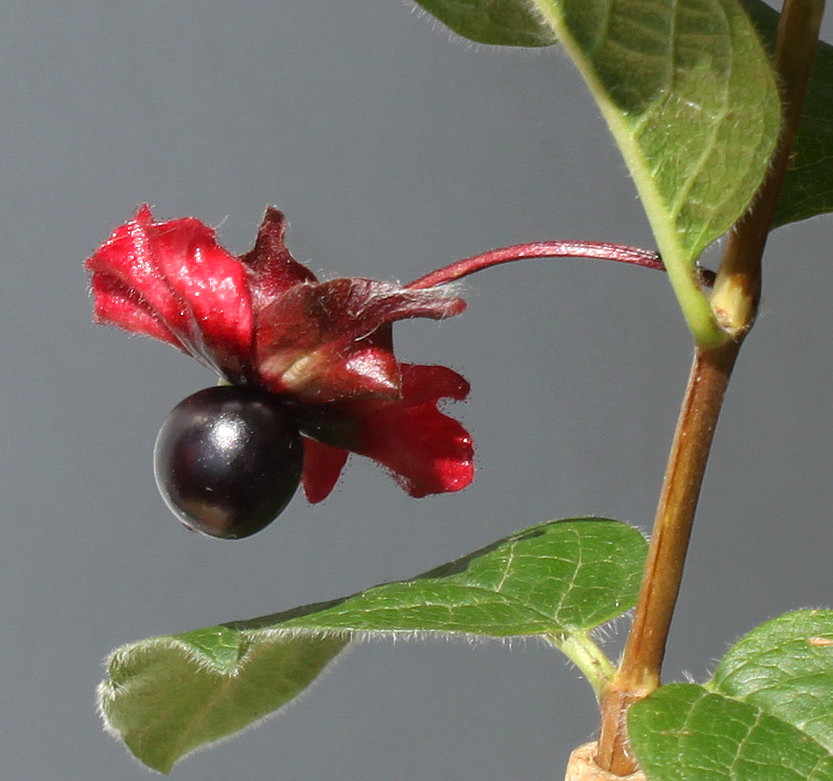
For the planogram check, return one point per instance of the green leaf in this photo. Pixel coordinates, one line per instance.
(686, 733)
(169, 695)
(785, 668)
(166, 696)
(766, 714)
(808, 187)
(562, 576)
(689, 95)
(497, 22)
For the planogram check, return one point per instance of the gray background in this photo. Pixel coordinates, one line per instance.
(393, 150)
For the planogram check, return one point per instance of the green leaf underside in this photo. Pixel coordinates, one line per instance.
(496, 22)
(166, 696)
(808, 187)
(686, 733)
(689, 95)
(685, 84)
(628, 50)
(785, 668)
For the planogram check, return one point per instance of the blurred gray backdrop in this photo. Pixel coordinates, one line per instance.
(393, 149)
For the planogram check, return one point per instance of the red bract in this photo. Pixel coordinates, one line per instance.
(323, 348)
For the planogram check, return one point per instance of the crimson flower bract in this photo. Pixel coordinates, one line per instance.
(324, 349)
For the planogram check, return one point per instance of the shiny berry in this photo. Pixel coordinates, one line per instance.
(228, 460)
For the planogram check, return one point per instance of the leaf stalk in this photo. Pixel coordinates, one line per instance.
(587, 656)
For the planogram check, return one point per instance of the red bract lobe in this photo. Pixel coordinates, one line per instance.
(325, 349)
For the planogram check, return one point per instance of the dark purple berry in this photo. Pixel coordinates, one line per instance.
(228, 460)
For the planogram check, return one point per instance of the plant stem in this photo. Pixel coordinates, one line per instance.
(639, 673)
(734, 301)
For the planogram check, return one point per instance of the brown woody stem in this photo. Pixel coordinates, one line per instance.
(639, 673)
(734, 300)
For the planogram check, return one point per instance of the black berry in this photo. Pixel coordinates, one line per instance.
(228, 460)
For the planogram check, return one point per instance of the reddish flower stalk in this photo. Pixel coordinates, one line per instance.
(591, 250)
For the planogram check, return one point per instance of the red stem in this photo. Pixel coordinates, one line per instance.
(592, 250)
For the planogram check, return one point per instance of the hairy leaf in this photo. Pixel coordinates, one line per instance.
(688, 92)
(562, 576)
(687, 733)
(498, 22)
(765, 714)
(166, 696)
(689, 95)
(785, 668)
